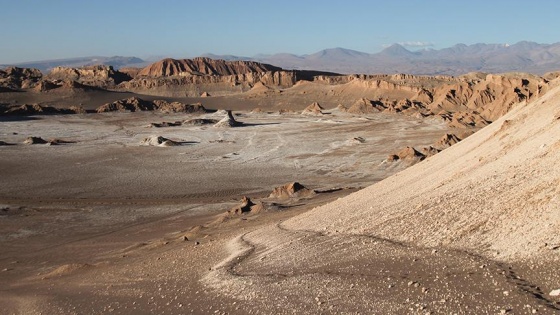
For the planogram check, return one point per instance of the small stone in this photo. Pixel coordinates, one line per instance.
(555, 292)
(506, 293)
(197, 243)
(185, 238)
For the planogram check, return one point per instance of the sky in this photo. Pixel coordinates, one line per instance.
(55, 29)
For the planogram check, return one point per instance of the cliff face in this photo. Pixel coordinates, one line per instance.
(99, 76)
(490, 97)
(203, 66)
(468, 101)
(194, 77)
(196, 85)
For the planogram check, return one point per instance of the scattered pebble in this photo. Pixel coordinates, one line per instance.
(555, 292)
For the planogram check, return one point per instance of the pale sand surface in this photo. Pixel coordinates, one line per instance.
(482, 218)
(97, 223)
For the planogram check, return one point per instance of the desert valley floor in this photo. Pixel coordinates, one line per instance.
(102, 195)
(395, 195)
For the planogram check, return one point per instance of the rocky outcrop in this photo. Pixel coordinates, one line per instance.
(473, 100)
(14, 78)
(178, 107)
(195, 85)
(408, 154)
(34, 140)
(132, 72)
(247, 206)
(134, 104)
(200, 121)
(313, 109)
(446, 141)
(291, 190)
(159, 141)
(36, 109)
(228, 121)
(489, 97)
(98, 76)
(364, 106)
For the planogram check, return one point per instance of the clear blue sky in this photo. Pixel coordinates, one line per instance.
(52, 29)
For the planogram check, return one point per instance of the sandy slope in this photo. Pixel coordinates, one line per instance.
(472, 230)
(495, 193)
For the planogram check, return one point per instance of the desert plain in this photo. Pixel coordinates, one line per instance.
(137, 192)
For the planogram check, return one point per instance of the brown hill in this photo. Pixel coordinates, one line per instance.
(203, 66)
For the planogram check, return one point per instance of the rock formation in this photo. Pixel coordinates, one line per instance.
(412, 156)
(228, 121)
(313, 109)
(34, 140)
(166, 124)
(446, 141)
(408, 154)
(203, 66)
(467, 101)
(200, 121)
(159, 141)
(364, 106)
(134, 104)
(247, 205)
(291, 190)
(98, 76)
(14, 78)
(36, 109)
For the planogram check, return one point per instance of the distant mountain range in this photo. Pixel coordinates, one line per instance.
(115, 61)
(456, 60)
(459, 59)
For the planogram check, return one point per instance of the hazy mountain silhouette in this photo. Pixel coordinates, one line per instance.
(115, 61)
(524, 56)
(459, 59)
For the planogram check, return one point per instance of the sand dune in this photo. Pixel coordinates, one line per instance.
(493, 193)
(490, 200)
